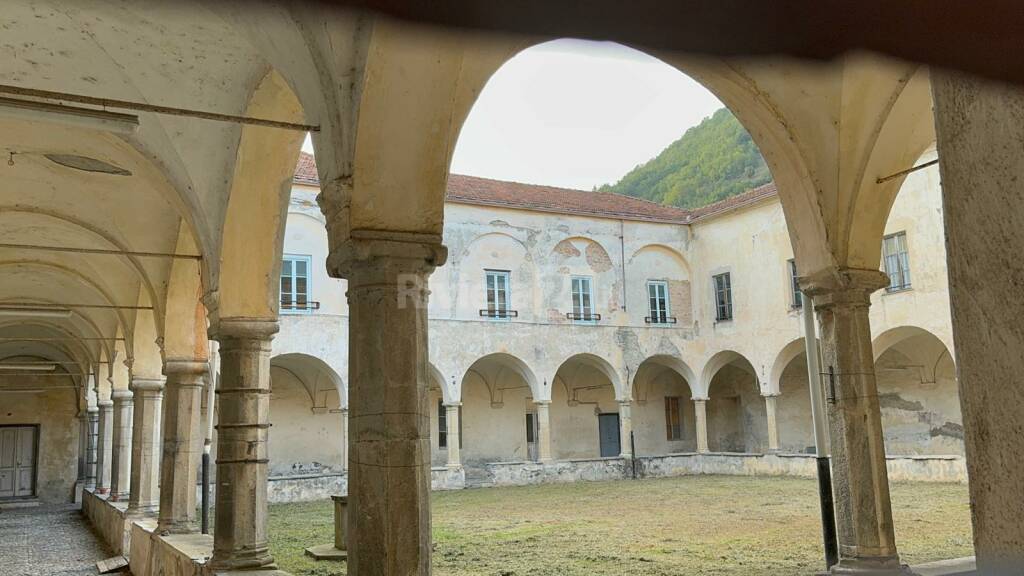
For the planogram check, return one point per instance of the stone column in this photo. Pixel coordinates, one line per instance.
(104, 445)
(344, 439)
(243, 421)
(121, 459)
(543, 430)
(148, 394)
(83, 447)
(980, 127)
(773, 425)
(92, 437)
(700, 412)
(451, 412)
(389, 460)
(625, 429)
(182, 445)
(867, 543)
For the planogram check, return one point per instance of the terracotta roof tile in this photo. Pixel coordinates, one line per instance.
(475, 190)
(305, 170)
(484, 191)
(749, 197)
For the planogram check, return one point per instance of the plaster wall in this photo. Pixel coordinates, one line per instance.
(580, 394)
(648, 413)
(304, 440)
(55, 412)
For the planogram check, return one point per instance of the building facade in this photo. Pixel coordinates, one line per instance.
(577, 328)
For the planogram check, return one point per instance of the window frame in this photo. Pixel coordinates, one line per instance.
(663, 319)
(901, 258)
(796, 297)
(589, 315)
(293, 258)
(727, 304)
(442, 425)
(495, 314)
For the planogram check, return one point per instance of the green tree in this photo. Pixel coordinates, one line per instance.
(711, 161)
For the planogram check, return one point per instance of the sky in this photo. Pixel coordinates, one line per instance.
(577, 114)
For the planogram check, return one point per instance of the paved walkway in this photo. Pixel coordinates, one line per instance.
(48, 541)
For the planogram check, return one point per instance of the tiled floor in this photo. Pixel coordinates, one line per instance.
(48, 541)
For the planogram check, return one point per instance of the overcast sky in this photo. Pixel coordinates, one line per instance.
(577, 114)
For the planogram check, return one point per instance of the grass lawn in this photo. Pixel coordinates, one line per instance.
(691, 525)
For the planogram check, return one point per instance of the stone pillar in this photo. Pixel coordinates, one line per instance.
(773, 424)
(92, 417)
(625, 429)
(700, 412)
(340, 522)
(980, 127)
(182, 445)
(451, 412)
(867, 543)
(543, 430)
(121, 459)
(104, 445)
(148, 394)
(243, 421)
(389, 411)
(83, 447)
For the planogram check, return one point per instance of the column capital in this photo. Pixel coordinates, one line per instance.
(186, 366)
(391, 252)
(105, 404)
(245, 328)
(542, 402)
(147, 384)
(771, 394)
(120, 395)
(843, 285)
(452, 404)
(700, 398)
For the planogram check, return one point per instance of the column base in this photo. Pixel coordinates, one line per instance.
(243, 562)
(142, 512)
(326, 552)
(164, 528)
(872, 567)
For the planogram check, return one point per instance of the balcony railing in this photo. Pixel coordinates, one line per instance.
(499, 314)
(300, 306)
(660, 319)
(583, 317)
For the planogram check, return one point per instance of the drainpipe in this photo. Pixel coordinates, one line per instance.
(211, 395)
(821, 440)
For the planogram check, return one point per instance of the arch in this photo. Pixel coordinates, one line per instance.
(721, 359)
(133, 261)
(668, 251)
(739, 90)
(893, 336)
(257, 208)
(310, 371)
(91, 356)
(918, 393)
(507, 361)
(438, 382)
(788, 353)
(663, 413)
(465, 252)
(601, 365)
(79, 278)
(677, 365)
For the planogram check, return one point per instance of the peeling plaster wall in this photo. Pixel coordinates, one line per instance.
(494, 423)
(737, 421)
(56, 414)
(648, 413)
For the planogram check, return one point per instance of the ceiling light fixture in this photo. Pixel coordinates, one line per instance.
(68, 115)
(35, 312)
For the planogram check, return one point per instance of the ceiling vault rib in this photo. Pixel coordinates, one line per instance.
(77, 250)
(56, 339)
(143, 107)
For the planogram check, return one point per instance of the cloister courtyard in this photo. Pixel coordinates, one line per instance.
(720, 525)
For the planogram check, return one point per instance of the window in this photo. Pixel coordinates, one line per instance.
(582, 301)
(723, 297)
(657, 303)
(897, 261)
(497, 295)
(530, 428)
(673, 418)
(798, 298)
(295, 285)
(442, 424)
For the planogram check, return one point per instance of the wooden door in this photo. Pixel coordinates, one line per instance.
(17, 461)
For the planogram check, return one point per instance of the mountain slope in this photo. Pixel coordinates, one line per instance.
(711, 161)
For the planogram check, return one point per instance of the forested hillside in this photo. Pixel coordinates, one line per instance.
(711, 161)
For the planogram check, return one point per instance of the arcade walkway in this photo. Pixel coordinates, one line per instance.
(48, 541)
